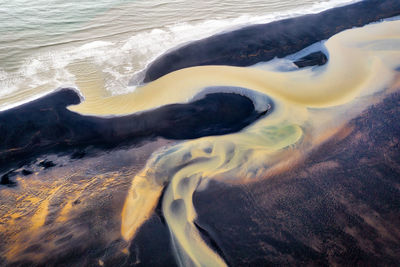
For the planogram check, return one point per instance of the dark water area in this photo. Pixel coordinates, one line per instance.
(263, 42)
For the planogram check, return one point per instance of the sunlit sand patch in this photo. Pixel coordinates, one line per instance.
(45, 214)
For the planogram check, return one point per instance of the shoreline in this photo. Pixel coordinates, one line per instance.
(263, 42)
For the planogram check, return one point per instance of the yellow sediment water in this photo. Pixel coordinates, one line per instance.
(361, 62)
(143, 195)
(351, 63)
(89, 77)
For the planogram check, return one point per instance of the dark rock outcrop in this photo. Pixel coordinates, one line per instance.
(6, 179)
(313, 59)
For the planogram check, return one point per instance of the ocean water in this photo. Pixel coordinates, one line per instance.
(45, 44)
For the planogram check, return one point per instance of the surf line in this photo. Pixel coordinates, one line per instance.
(335, 83)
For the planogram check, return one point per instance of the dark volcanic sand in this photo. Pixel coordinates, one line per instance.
(341, 207)
(46, 125)
(263, 42)
(92, 231)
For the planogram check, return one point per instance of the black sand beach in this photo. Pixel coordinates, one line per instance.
(263, 42)
(46, 125)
